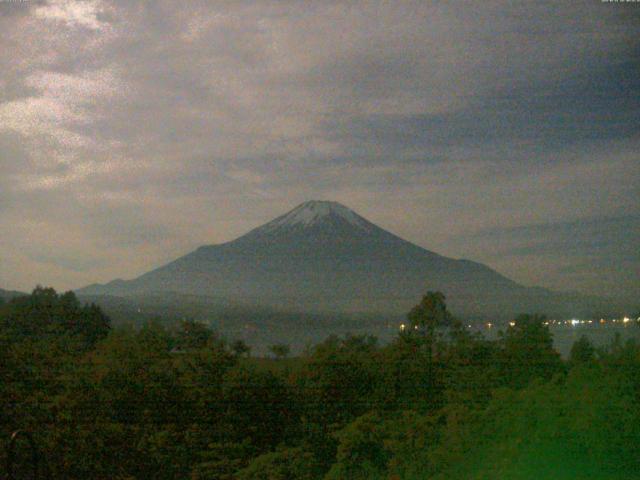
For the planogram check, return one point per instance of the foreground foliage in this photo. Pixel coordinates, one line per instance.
(437, 403)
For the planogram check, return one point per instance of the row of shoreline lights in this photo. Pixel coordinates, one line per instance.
(573, 322)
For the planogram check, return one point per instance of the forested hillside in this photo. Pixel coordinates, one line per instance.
(179, 402)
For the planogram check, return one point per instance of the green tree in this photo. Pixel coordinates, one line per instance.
(259, 406)
(429, 314)
(582, 351)
(409, 374)
(240, 348)
(527, 351)
(283, 464)
(340, 380)
(221, 460)
(192, 334)
(361, 453)
(586, 426)
(44, 313)
(124, 410)
(469, 369)
(280, 350)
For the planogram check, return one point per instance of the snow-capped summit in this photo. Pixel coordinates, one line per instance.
(316, 212)
(310, 212)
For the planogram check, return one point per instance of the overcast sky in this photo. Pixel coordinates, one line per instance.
(133, 132)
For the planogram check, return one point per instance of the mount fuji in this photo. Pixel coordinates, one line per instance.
(323, 257)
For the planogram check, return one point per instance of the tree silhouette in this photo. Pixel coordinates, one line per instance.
(45, 313)
(429, 314)
(527, 351)
(280, 350)
(240, 348)
(193, 334)
(582, 351)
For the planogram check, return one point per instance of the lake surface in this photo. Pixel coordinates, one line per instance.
(565, 335)
(306, 333)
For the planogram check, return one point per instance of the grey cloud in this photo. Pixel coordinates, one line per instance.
(574, 237)
(175, 124)
(591, 107)
(69, 262)
(600, 249)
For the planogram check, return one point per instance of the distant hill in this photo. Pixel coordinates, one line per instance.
(322, 257)
(9, 294)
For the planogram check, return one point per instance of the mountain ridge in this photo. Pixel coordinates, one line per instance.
(9, 294)
(323, 256)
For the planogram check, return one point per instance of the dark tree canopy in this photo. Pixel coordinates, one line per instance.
(192, 334)
(426, 405)
(430, 313)
(527, 350)
(240, 348)
(280, 350)
(582, 351)
(45, 312)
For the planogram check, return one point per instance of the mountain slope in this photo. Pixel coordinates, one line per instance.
(9, 294)
(323, 257)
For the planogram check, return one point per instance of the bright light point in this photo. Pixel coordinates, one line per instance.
(489, 325)
(402, 327)
(625, 320)
(512, 324)
(575, 322)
